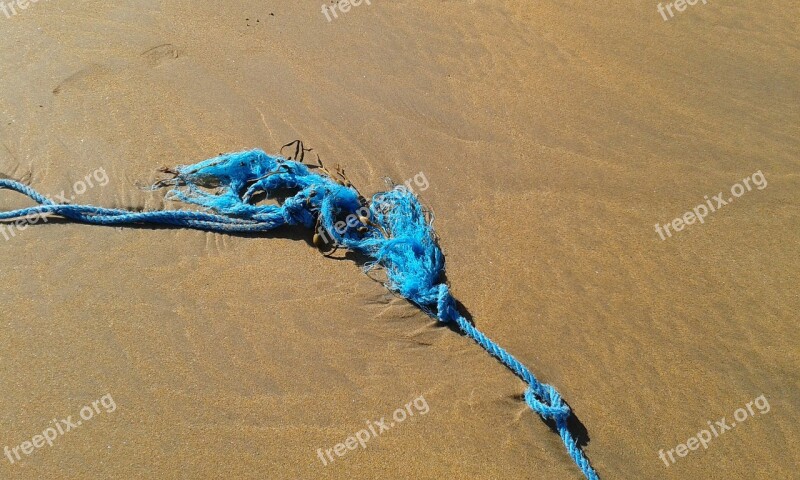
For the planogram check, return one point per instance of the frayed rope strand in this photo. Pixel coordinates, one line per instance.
(393, 230)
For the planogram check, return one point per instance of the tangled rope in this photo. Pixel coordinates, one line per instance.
(393, 230)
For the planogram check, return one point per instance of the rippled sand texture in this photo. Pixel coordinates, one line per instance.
(553, 137)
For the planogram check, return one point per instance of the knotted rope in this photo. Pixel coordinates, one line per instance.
(393, 230)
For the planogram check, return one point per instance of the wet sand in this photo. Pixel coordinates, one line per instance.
(552, 138)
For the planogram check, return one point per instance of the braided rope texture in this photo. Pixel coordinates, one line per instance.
(394, 231)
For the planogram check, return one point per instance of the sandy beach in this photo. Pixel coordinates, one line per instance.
(615, 188)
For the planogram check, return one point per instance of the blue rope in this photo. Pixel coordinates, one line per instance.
(393, 230)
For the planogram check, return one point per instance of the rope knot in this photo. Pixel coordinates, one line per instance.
(446, 305)
(295, 212)
(551, 406)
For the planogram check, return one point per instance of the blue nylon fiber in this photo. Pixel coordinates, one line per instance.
(394, 233)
